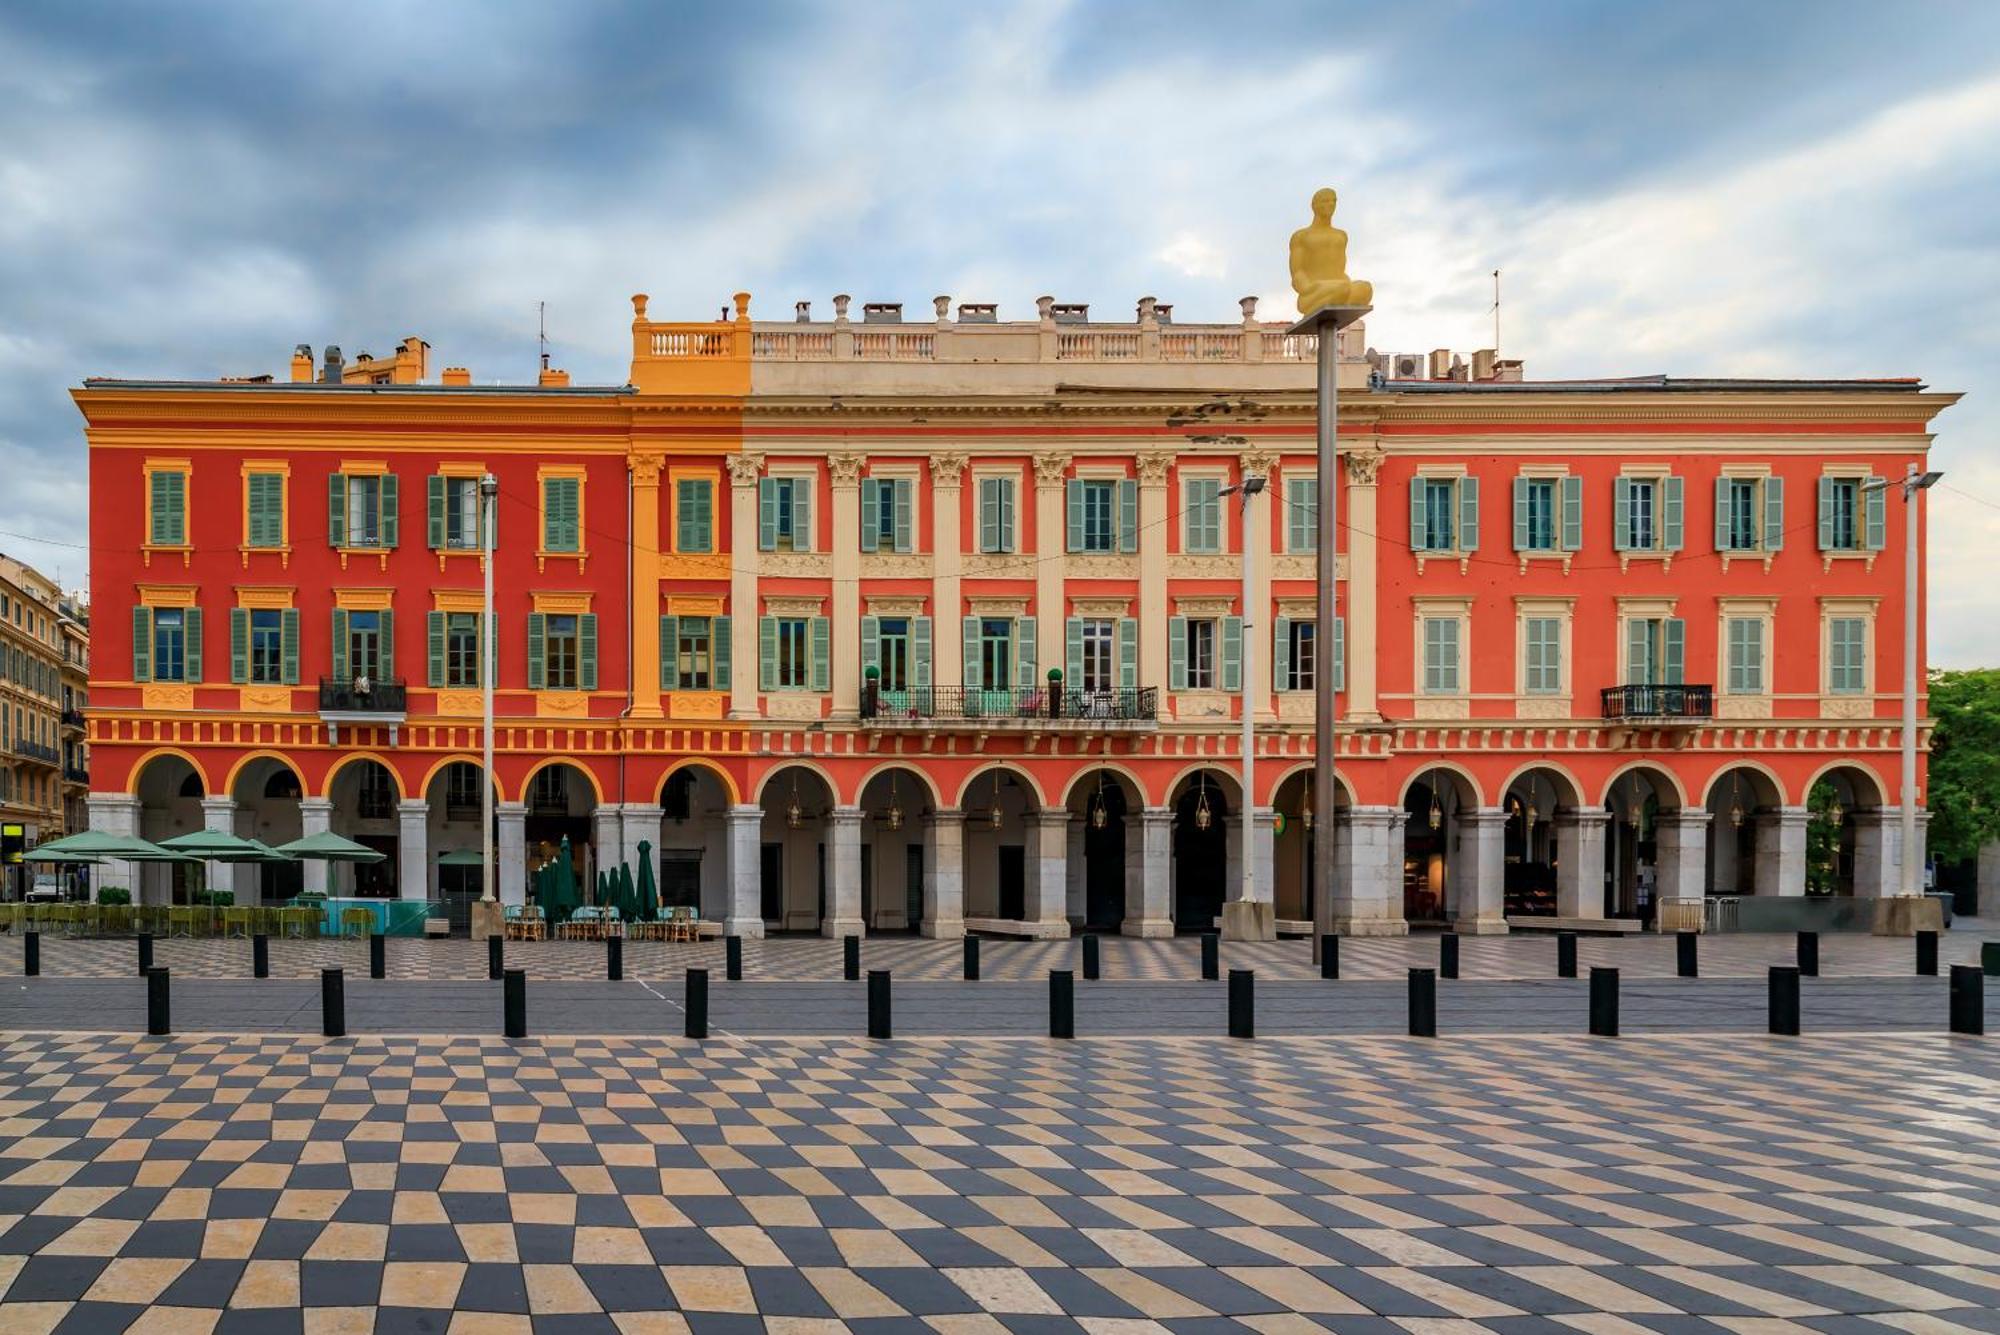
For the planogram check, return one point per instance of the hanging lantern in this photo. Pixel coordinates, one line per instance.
(1437, 812)
(1099, 817)
(1202, 816)
(893, 817)
(795, 815)
(993, 816)
(1836, 813)
(1735, 805)
(1633, 814)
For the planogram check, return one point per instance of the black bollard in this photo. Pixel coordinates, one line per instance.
(1211, 956)
(1603, 1002)
(1091, 963)
(378, 955)
(732, 958)
(496, 957)
(878, 1002)
(971, 958)
(1686, 954)
(1968, 999)
(1062, 1004)
(1565, 954)
(260, 956)
(614, 959)
(514, 1002)
(1785, 1000)
(1423, 1003)
(1927, 954)
(1448, 955)
(1989, 958)
(1242, 1003)
(1809, 954)
(697, 1003)
(145, 953)
(1329, 956)
(31, 955)
(850, 958)
(158, 1020)
(333, 1003)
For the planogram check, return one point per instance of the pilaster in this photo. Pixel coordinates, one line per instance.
(413, 850)
(315, 817)
(746, 884)
(845, 472)
(1152, 468)
(1363, 524)
(1781, 851)
(511, 848)
(645, 605)
(1580, 862)
(114, 813)
(1048, 873)
(744, 472)
(1368, 862)
(1052, 563)
(1680, 855)
(218, 815)
(948, 563)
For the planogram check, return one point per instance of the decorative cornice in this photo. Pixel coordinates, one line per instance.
(1050, 467)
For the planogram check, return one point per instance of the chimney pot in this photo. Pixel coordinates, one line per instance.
(1482, 363)
(330, 370)
(802, 311)
(456, 375)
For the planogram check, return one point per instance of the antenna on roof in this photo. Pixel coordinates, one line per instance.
(542, 319)
(1496, 311)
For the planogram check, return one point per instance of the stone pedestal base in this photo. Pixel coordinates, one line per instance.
(1249, 920)
(1370, 927)
(1904, 915)
(942, 928)
(1151, 927)
(488, 919)
(842, 927)
(1481, 927)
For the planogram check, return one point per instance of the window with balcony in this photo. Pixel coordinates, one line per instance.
(784, 514)
(886, 514)
(996, 514)
(1099, 653)
(1852, 514)
(1655, 651)
(363, 646)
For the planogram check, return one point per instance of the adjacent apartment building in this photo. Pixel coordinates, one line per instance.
(44, 762)
(879, 623)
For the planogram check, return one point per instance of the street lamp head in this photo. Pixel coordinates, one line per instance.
(489, 485)
(1924, 481)
(1252, 484)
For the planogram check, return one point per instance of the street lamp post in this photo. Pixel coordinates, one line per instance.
(489, 491)
(1910, 484)
(1246, 924)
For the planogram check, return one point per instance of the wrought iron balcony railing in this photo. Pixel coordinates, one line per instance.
(385, 695)
(75, 774)
(48, 755)
(1017, 706)
(1659, 704)
(72, 718)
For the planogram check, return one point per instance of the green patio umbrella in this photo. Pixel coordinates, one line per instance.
(59, 856)
(462, 857)
(628, 899)
(565, 878)
(221, 846)
(329, 847)
(648, 895)
(98, 844)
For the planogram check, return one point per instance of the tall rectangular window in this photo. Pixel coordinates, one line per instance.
(880, 522)
(1744, 529)
(1847, 655)
(1201, 674)
(694, 662)
(694, 515)
(1746, 655)
(794, 654)
(461, 650)
(996, 514)
(996, 652)
(267, 645)
(1441, 672)
(1842, 519)
(1537, 520)
(461, 513)
(1655, 649)
(892, 653)
(1301, 657)
(1100, 654)
(786, 505)
(1438, 504)
(560, 653)
(1100, 518)
(169, 644)
(562, 514)
(1302, 514)
(1202, 514)
(1543, 648)
(1644, 534)
(167, 513)
(264, 524)
(364, 511)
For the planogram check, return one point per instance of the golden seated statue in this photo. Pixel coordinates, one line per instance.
(1319, 261)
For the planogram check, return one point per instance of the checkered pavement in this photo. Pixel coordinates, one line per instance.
(807, 959)
(467, 1185)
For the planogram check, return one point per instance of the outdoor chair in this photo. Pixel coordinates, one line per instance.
(180, 920)
(238, 921)
(681, 923)
(114, 918)
(534, 926)
(356, 922)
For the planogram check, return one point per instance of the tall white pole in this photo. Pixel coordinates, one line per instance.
(489, 490)
(1247, 840)
(1324, 780)
(1909, 813)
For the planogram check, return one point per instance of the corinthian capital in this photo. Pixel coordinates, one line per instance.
(946, 468)
(745, 469)
(1362, 466)
(845, 468)
(1258, 463)
(646, 469)
(1049, 469)
(1153, 466)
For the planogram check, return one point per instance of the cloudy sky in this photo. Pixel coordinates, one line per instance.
(1696, 188)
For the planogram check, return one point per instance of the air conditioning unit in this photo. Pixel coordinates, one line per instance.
(1408, 366)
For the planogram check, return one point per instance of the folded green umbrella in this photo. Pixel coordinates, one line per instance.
(648, 906)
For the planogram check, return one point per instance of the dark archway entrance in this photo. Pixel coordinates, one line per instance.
(1201, 854)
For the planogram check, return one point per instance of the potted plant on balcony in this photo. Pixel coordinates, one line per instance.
(1055, 692)
(871, 690)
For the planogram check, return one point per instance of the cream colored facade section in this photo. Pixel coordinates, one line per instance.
(1361, 508)
(948, 553)
(744, 470)
(1052, 569)
(846, 540)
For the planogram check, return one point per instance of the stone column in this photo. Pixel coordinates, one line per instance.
(1580, 862)
(1051, 566)
(1781, 851)
(607, 837)
(315, 817)
(1149, 876)
(1048, 872)
(1368, 857)
(746, 871)
(744, 471)
(218, 816)
(1077, 871)
(114, 813)
(1152, 467)
(637, 822)
(1986, 888)
(646, 585)
(1680, 855)
(944, 873)
(1260, 616)
(510, 850)
(1478, 870)
(1358, 506)
(843, 894)
(948, 564)
(846, 551)
(413, 850)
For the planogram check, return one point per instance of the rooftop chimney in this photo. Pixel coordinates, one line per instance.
(552, 378)
(330, 370)
(1440, 363)
(882, 312)
(1482, 364)
(1070, 312)
(803, 312)
(456, 375)
(978, 312)
(302, 364)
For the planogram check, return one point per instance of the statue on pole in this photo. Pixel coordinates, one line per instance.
(1319, 261)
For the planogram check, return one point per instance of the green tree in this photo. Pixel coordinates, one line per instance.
(1964, 788)
(1822, 840)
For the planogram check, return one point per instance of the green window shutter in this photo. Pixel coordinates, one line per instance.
(1007, 540)
(434, 627)
(989, 514)
(1281, 654)
(1774, 514)
(718, 653)
(1073, 653)
(1468, 514)
(1128, 515)
(239, 645)
(390, 510)
(1301, 514)
(871, 510)
(192, 620)
(969, 626)
(142, 644)
(1826, 514)
(1232, 653)
(1673, 511)
(551, 515)
(387, 644)
(1339, 653)
(434, 512)
(1722, 485)
(822, 654)
(802, 516)
(1676, 655)
(904, 501)
(288, 644)
(920, 652)
(1419, 525)
(670, 666)
(767, 514)
(767, 653)
(1024, 653)
(1194, 516)
(1177, 653)
(1128, 652)
(267, 510)
(1638, 652)
(339, 658)
(694, 517)
(1521, 534)
(1572, 515)
(871, 645)
(1621, 514)
(1878, 507)
(1073, 492)
(538, 649)
(586, 651)
(161, 524)
(336, 510)
(169, 509)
